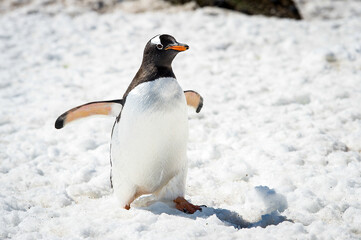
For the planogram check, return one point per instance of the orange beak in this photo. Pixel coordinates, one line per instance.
(180, 47)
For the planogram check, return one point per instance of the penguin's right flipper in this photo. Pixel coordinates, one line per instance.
(109, 108)
(194, 99)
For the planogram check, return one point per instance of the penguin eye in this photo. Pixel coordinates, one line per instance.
(159, 46)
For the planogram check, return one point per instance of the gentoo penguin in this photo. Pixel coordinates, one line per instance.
(149, 136)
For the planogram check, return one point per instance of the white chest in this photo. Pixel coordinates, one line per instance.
(150, 140)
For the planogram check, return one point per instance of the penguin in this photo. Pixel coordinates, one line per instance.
(150, 132)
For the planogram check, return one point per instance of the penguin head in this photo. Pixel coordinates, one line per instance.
(162, 49)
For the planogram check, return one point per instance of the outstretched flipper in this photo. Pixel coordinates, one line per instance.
(113, 108)
(194, 99)
(109, 108)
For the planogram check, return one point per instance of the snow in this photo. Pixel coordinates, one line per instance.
(274, 153)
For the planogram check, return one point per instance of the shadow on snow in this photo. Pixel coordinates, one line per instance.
(231, 218)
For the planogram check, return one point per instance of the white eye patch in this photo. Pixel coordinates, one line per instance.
(156, 40)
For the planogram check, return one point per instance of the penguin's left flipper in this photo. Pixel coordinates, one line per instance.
(194, 99)
(109, 108)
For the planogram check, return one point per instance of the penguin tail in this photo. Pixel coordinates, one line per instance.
(194, 100)
(108, 108)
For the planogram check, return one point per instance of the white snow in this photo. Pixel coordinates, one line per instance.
(277, 142)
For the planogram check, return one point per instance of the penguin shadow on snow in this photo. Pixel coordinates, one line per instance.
(272, 202)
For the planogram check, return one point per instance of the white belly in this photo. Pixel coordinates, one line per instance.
(149, 142)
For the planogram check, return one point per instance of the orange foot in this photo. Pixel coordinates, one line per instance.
(183, 205)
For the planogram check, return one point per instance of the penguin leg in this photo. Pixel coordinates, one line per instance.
(183, 205)
(174, 190)
(127, 206)
(194, 99)
(127, 194)
(109, 108)
(124, 191)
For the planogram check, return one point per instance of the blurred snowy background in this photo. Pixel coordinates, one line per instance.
(274, 154)
(309, 9)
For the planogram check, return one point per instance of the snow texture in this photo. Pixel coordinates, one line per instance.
(274, 153)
